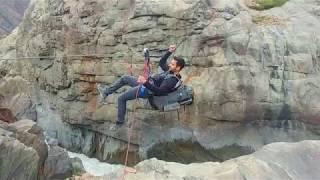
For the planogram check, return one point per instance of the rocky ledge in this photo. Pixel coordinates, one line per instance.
(24, 154)
(274, 161)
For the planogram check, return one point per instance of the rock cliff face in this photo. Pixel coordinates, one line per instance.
(255, 73)
(11, 14)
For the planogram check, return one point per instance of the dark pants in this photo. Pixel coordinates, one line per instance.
(128, 95)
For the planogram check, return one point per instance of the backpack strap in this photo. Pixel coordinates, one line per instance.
(179, 83)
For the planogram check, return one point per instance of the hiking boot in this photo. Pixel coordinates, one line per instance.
(103, 92)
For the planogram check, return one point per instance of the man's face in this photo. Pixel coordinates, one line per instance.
(173, 66)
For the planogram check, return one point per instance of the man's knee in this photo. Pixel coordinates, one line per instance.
(125, 78)
(128, 95)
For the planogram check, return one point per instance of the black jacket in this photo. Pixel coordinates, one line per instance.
(159, 85)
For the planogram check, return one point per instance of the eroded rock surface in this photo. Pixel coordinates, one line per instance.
(276, 161)
(252, 71)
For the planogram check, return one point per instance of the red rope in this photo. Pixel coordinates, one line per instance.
(130, 135)
(146, 72)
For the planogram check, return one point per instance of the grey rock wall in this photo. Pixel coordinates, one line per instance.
(246, 66)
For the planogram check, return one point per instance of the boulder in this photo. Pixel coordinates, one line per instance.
(58, 165)
(31, 135)
(18, 161)
(24, 153)
(277, 161)
(7, 116)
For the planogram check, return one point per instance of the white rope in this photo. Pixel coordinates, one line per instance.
(52, 57)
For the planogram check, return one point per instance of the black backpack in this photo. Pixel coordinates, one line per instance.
(183, 95)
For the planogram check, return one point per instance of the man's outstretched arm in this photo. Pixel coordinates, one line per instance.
(163, 61)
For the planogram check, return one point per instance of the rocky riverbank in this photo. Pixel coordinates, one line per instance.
(276, 161)
(24, 155)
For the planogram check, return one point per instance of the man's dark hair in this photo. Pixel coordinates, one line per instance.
(180, 61)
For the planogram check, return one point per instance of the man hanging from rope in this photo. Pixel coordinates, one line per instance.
(158, 84)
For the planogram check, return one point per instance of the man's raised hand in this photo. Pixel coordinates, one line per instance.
(172, 48)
